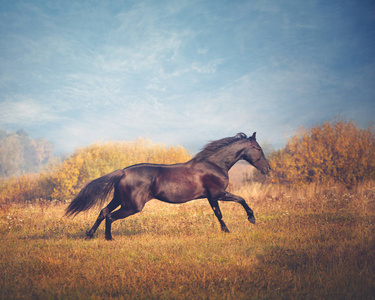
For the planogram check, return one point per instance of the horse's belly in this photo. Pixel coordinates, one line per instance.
(179, 192)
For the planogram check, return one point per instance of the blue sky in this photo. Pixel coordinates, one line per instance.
(183, 72)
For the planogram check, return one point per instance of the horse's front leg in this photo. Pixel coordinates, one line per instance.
(230, 197)
(215, 207)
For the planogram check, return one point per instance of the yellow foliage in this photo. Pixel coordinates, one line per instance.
(334, 151)
(101, 158)
(64, 180)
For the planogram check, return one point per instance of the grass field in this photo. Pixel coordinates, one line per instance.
(314, 242)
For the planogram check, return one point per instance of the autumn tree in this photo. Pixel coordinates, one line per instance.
(21, 154)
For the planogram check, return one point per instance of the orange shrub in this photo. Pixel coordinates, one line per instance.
(334, 151)
(26, 187)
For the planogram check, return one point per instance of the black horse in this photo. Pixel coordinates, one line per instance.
(204, 176)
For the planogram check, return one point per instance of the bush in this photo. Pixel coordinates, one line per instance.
(334, 151)
(62, 181)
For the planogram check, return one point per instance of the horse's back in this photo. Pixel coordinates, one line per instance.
(175, 183)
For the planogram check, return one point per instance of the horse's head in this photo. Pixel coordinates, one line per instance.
(253, 154)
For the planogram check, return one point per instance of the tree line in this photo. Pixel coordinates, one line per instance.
(21, 154)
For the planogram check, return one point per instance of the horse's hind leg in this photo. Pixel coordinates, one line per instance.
(122, 213)
(102, 215)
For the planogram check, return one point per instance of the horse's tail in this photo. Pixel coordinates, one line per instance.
(94, 193)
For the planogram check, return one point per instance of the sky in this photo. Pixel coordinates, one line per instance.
(183, 72)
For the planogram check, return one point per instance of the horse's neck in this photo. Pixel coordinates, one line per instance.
(226, 157)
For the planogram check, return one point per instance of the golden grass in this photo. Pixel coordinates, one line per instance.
(314, 242)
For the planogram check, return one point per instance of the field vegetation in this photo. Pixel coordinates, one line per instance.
(310, 243)
(314, 236)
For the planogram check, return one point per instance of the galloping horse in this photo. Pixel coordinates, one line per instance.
(204, 176)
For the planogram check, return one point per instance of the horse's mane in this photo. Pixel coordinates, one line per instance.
(214, 146)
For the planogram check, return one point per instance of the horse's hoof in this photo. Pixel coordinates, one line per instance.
(109, 238)
(252, 220)
(89, 235)
(224, 229)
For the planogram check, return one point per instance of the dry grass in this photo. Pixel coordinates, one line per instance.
(313, 242)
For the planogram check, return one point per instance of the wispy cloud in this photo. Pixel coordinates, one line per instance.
(207, 68)
(25, 112)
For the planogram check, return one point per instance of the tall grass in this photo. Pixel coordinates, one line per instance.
(314, 242)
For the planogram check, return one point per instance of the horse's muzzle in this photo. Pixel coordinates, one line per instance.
(265, 170)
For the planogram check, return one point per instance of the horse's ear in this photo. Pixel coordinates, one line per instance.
(253, 137)
(241, 135)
